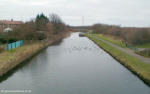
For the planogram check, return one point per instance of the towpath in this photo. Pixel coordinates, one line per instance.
(126, 50)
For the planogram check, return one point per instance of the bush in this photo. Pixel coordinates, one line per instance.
(11, 40)
(1, 50)
(2, 40)
(37, 29)
(131, 35)
(58, 25)
(145, 52)
(139, 36)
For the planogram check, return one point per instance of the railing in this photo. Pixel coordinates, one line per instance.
(131, 47)
(14, 45)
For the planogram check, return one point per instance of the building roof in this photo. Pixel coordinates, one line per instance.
(11, 22)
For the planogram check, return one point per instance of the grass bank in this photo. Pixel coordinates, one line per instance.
(118, 42)
(10, 59)
(140, 68)
(111, 39)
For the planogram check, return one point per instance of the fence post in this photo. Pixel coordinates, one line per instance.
(11, 46)
(20, 42)
(15, 45)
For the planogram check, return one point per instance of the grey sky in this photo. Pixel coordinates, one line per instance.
(119, 12)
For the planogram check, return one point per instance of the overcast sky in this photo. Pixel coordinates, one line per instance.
(119, 12)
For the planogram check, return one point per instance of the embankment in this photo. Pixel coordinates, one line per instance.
(11, 59)
(139, 68)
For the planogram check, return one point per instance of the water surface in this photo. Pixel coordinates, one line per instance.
(75, 66)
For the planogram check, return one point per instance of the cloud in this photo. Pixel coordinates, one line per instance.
(124, 12)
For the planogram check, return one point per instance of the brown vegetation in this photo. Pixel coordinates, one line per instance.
(39, 29)
(37, 35)
(131, 35)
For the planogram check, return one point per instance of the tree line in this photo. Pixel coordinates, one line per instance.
(131, 35)
(42, 27)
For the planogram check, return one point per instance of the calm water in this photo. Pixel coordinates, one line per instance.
(75, 66)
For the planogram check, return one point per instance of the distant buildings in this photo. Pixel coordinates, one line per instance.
(6, 25)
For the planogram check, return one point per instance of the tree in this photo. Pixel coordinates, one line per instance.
(41, 22)
(58, 25)
(55, 19)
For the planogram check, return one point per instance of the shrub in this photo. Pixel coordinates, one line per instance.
(131, 35)
(145, 52)
(1, 49)
(58, 25)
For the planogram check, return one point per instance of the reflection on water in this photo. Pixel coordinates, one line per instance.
(75, 66)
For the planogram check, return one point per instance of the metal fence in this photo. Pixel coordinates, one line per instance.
(14, 45)
(131, 47)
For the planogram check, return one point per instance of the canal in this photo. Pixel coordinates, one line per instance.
(75, 66)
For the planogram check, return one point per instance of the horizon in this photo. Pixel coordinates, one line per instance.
(123, 13)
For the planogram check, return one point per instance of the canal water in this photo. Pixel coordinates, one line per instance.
(75, 66)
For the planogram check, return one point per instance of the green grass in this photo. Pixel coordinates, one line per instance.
(146, 45)
(9, 59)
(13, 50)
(140, 68)
(118, 42)
(111, 39)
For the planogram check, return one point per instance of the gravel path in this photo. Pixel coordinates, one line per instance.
(128, 51)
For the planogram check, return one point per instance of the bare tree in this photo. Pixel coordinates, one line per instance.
(58, 25)
(55, 19)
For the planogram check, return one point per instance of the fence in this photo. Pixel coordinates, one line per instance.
(131, 47)
(14, 45)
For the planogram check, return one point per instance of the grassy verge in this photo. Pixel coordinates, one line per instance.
(141, 69)
(111, 39)
(118, 41)
(10, 59)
